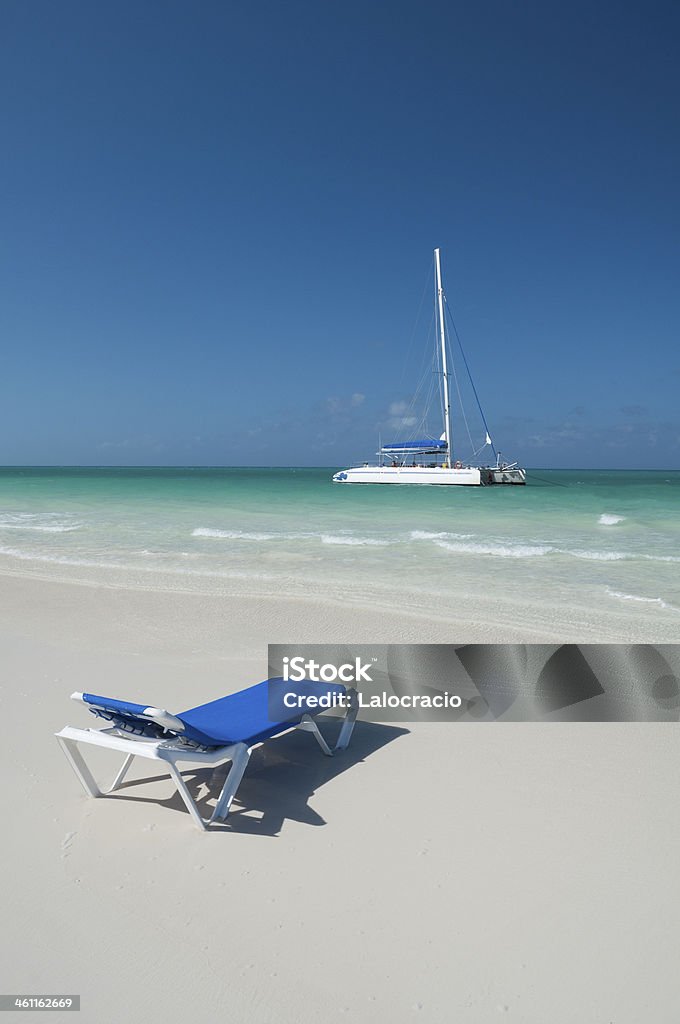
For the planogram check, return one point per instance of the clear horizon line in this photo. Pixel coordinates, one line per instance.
(94, 465)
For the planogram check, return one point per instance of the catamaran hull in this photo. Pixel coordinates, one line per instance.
(469, 477)
(504, 476)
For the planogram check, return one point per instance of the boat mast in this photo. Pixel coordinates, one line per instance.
(445, 374)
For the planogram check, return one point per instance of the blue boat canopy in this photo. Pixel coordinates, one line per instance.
(429, 445)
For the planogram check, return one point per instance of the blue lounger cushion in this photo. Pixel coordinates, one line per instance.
(249, 716)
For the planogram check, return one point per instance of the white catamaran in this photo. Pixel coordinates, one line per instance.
(430, 460)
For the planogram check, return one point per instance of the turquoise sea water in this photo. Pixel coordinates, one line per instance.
(574, 543)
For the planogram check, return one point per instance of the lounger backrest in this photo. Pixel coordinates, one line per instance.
(140, 719)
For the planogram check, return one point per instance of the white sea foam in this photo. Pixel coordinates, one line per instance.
(462, 543)
(89, 563)
(598, 556)
(40, 522)
(609, 519)
(644, 600)
(503, 549)
(40, 529)
(30, 556)
(428, 535)
(500, 550)
(231, 534)
(618, 556)
(330, 538)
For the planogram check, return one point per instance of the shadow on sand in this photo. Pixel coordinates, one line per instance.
(282, 777)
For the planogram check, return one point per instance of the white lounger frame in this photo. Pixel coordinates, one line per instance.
(172, 751)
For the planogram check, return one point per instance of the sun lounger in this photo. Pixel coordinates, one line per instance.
(223, 730)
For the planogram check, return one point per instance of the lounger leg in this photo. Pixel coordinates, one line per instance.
(239, 763)
(347, 727)
(77, 762)
(238, 766)
(121, 774)
(309, 725)
(186, 795)
(75, 759)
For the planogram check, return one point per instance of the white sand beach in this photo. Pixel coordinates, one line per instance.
(340, 325)
(430, 872)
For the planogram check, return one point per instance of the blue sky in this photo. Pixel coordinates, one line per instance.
(218, 219)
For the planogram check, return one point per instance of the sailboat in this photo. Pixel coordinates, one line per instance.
(433, 460)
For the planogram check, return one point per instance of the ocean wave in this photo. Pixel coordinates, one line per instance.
(500, 550)
(89, 563)
(610, 519)
(599, 556)
(644, 600)
(444, 535)
(40, 529)
(231, 534)
(39, 522)
(325, 538)
(462, 543)
(330, 538)
(31, 556)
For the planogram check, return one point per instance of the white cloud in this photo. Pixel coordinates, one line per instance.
(397, 408)
(398, 422)
(338, 405)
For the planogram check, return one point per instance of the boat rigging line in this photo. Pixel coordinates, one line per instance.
(474, 389)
